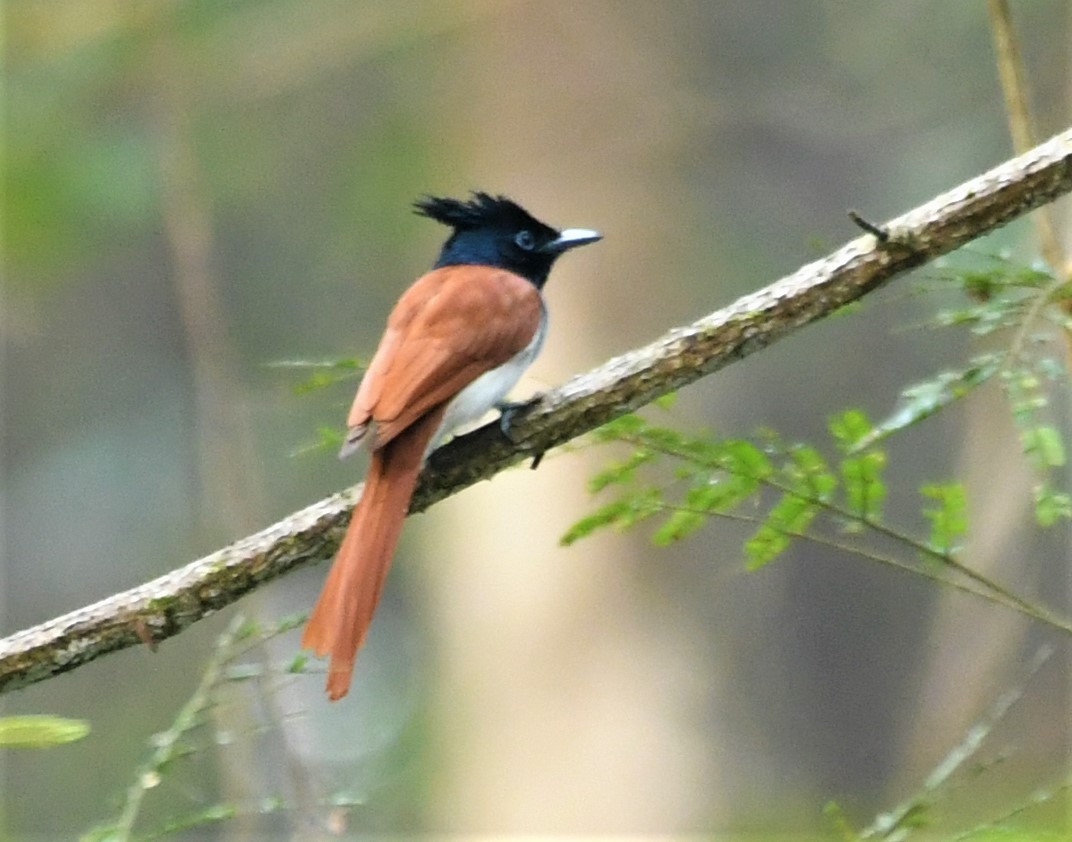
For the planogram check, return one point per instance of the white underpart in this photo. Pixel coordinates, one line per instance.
(474, 401)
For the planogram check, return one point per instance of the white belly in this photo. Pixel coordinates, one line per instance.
(474, 401)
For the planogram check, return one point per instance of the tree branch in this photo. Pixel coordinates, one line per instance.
(165, 606)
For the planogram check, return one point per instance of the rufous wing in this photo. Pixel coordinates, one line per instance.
(453, 325)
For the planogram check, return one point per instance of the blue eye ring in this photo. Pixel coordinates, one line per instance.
(525, 240)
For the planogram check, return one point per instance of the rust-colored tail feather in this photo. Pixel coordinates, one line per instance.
(341, 618)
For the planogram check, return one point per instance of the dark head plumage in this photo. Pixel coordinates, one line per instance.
(495, 231)
(481, 209)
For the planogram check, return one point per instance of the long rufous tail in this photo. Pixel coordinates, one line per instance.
(341, 618)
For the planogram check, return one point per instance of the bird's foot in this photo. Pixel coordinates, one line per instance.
(507, 411)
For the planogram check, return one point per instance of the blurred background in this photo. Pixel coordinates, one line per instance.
(196, 190)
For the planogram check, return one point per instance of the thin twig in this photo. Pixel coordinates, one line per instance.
(864, 553)
(893, 826)
(168, 743)
(1043, 795)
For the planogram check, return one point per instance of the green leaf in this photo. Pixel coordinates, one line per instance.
(790, 516)
(297, 663)
(765, 545)
(925, 399)
(711, 495)
(327, 439)
(861, 477)
(848, 428)
(619, 473)
(949, 519)
(1050, 368)
(324, 372)
(983, 285)
(808, 473)
(666, 401)
(836, 816)
(604, 516)
(721, 494)
(248, 628)
(681, 523)
(621, 513)
(244, 672)
(640, 506)
(1043, 445)
(625, 427)
(212, 814)
(984, 318)
(743, 458)
(672, 441)
(1051, 506)
(288, 622)
(1031, 277)
(1025, 396)
(37, 731)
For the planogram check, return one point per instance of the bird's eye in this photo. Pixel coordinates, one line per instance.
(525, 240)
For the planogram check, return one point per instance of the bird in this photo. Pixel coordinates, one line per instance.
(456, 342)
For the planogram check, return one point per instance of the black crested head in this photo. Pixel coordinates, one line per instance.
(481, 210)
(494, 231)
